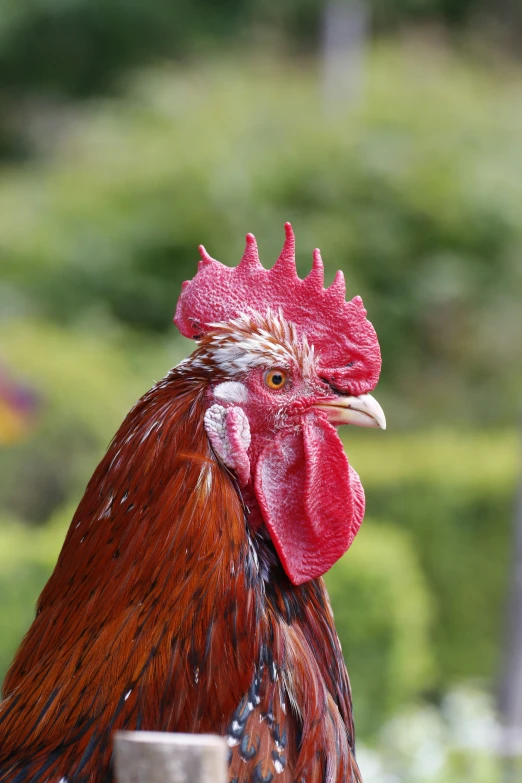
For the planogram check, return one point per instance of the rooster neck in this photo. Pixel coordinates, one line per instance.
(150, 619)
(296, 717)
(165, 612)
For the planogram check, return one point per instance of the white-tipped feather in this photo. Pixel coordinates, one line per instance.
(252, 340)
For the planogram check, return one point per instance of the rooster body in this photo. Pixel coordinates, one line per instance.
(185, 597)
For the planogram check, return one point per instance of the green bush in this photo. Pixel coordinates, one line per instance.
(382, 610)
(463, 542)
(27, 557)
(453, 494)
(80, 47)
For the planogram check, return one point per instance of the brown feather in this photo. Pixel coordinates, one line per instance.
(163, 613)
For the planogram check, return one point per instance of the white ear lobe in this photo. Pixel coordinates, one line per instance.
(231, 391)
(228, 431)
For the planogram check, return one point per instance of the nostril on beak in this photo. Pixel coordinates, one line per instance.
(332, 387)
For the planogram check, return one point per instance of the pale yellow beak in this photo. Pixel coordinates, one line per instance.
(363, 411)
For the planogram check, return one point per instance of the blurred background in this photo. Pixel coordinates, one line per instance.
(389, 133)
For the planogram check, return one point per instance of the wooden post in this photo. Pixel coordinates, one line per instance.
(158, 757)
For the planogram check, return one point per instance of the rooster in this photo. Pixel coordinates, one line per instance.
(188, 594)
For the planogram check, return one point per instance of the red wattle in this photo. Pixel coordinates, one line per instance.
(311, 500)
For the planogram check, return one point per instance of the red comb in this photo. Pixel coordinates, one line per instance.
(345, 341)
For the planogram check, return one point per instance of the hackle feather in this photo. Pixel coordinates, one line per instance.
(166, 612)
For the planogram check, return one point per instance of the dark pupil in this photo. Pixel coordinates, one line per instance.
(277, 379)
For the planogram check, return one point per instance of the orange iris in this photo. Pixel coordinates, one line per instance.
(275, 379)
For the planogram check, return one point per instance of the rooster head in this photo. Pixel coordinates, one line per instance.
(288, 361)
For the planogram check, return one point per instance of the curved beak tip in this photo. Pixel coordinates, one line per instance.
(362, 411)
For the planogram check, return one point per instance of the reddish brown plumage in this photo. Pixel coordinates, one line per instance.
(156, 618)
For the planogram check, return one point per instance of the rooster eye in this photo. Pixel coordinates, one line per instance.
(275, 379)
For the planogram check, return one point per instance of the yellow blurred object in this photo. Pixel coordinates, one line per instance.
(18, 405)
(14, 424)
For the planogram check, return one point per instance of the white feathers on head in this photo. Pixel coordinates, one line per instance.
(253, 340)
(231, 391)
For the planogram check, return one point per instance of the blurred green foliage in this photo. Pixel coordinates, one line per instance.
(457, 743)
(27, 557)
(85, 383)
(54, 51)
(454, 495)
(383, 613)
(412, 190)
(81, 47)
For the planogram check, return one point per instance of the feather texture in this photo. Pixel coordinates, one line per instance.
(166, 612)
